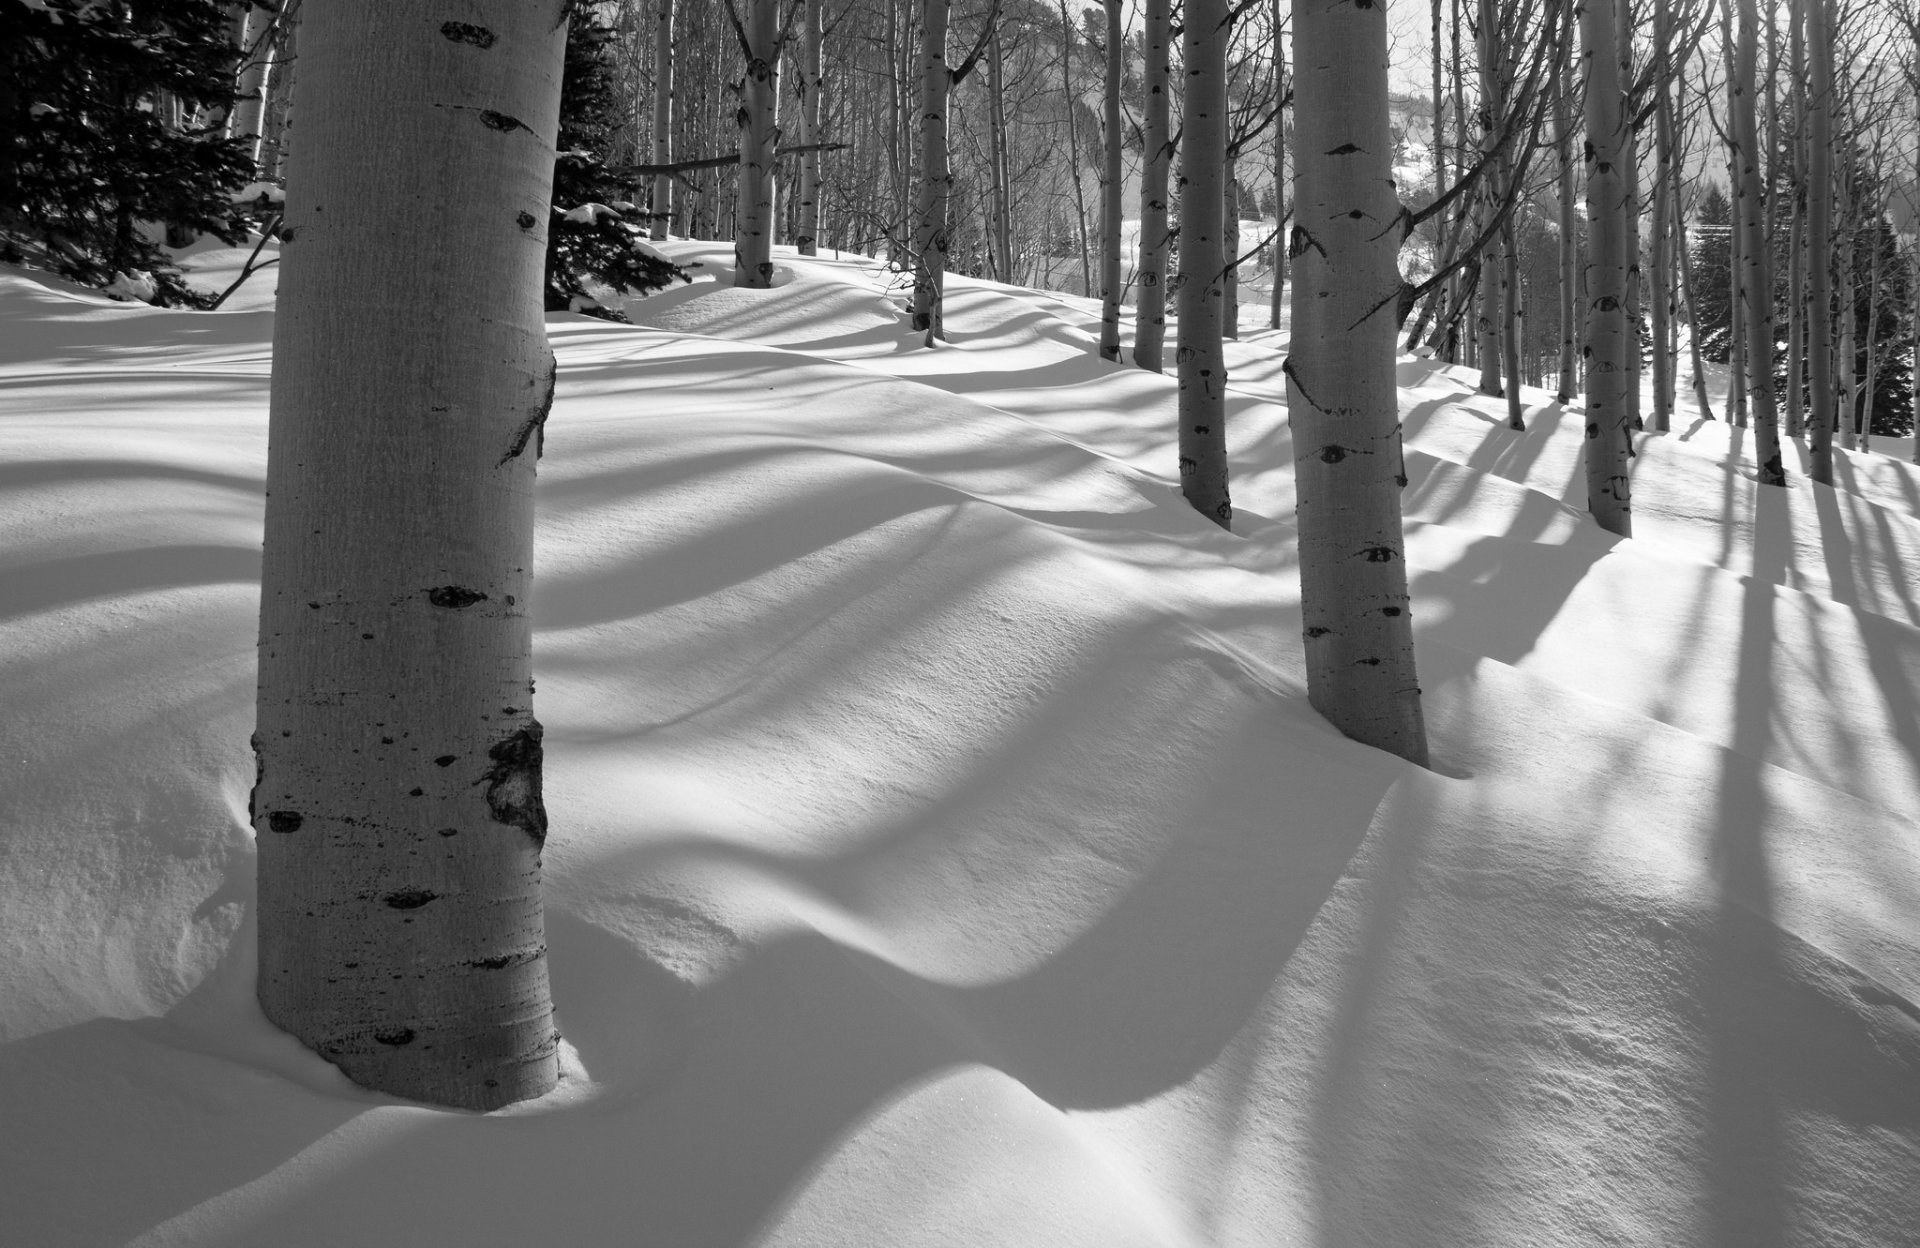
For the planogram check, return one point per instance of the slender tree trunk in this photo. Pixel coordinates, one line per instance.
(1073, 145)
(1756, 269)
(1820, 238)
(1280, 155)
(759, 136)
(1150, 307)
(1563, 128)
(898, 143)
(257, 46)
(1002, 234)
(1510, 312)
(1871, 376)
(1609, 335)
(1112, 186)
(936, 176)
(1201, 362)
(1630, 157)
(807, 222)
(1849, 357)
(1797, 235)
(1662, 257)
(397, 811)
(663, 191)
(1493, 292)
(1349, 467)
(1230, 242)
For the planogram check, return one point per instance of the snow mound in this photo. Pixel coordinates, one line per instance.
(944, 849)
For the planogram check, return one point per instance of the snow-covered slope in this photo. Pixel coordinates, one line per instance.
(943, 849)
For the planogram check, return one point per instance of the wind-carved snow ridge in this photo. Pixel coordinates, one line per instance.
(941, 848)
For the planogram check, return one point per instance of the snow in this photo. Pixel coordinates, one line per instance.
(944, 850)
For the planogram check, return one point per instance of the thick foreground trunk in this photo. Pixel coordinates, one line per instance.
(397, 812)
(1341, 392)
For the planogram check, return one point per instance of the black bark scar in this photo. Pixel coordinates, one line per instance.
(536, 422)
(464, 32)
(513, 782)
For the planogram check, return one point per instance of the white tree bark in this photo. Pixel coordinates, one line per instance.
(398, 811)
(662, 117)
(1112, 185)
(1002, 232)
(1341, 391)
(1609, 336)
(759, 136)
(1201, 363)
(807, 223)
(1150, 303)
(930, 236)
(1756, 257)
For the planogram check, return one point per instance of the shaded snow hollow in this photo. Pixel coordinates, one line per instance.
(944, 852)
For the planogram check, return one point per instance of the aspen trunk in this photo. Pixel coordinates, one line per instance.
(1871, 374)
(1818, 15)
(806, 231)
(1280, 157)
(1630, 164)
(1844, 365)
(759, 135)
(1150, 301)
(936, 176)
(1492, 316)
(1341, 392)
(1111, 187)
(1230, 245)
(1002, 233)
(1756, 268)
(663, 192)
(1073, 145)
(257, 45)
(1662, 251)
(1797, 235)
(397, 812)
(1569, 252)
(1510, 324)
(1609, 338)
(1200, 360)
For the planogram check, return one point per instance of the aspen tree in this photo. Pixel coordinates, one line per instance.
(662, 117)
(1756, 268)
(1280, 157)
(936, 176)
(759, 136)
(1662, 249)
(1201, 362)
(397, 810)
(1797, 233)
(1150, 301)
(1341, 393)
(807, 224)
(1609, 338)
(1563, 128)
(997, 155)
(1819, 20)
(1492, 316)
(1112, 186)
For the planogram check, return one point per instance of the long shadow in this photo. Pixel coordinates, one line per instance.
(63, 582)
(1745, 1159)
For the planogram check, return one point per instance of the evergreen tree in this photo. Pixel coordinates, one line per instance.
(99, 140)
(589, 238)
(1710, 253)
